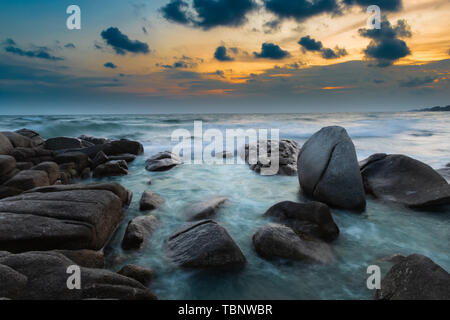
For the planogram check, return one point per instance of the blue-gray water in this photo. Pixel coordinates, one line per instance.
(380, 231)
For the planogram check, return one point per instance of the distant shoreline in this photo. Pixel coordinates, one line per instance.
(434, 109)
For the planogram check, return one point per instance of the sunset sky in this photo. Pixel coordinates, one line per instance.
(219, 56)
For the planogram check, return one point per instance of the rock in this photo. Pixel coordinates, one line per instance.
(61, 217)
(18, 140)
(204, 244)
(205, 209)
(6, 192)
(99, 159)
(328, 170)
(448, 164)
(311, 219)
(111, 168)
(43, 276)
(33, 135)
(128, 157)
(85, 258)
(163, 161)
(7, 164)
(287, 150)
(150, 201)
(415, 278)
(401, 179)
(86, 173)
(278, 241)
(445, 173)
(138, 231)
(5, 145)
(51, 168)
(63, 143)
(140, 274)
(149, 182)
(28, 179)
(35, 155)
(24, 165)
(123, 146)
(80, 159)
(94, 140)
(6, 177)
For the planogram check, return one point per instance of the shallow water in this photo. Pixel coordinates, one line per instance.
(365, 238)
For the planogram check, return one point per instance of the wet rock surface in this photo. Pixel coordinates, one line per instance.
(163, 161)
(150, 201)
(138, 231)
(204, 209)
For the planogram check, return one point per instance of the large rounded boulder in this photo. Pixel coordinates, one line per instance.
(328, 170)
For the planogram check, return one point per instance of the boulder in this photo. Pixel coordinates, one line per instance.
(150, 201)
(43, 276)
(94, 140)
(415, 278)
(311, 219)
(401, 179)
(204, 244)
(445, 173)
(7, 164)
(328, 170)
(138, 231)
(80, 159)
(128, 157)
(28, 179)
(163, 161)
(123, 146)
(140, 274)
(51, 168)
(111, 168)
(204, 209)
(18, 140)
(85, 258)
(100, 158)
(288, 152)
(61, 217)
(24, 165)
(33, 135)
(63, 143)
(6, 192)
(5, 145)
(35, 155)
(278, 241)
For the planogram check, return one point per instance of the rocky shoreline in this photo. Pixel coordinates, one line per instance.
(50, 219)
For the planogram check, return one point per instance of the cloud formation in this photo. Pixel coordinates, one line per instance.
(417, 81)
(271, 51)
(208, 14)
(385, 5)
(386, 47)
(110, 65)
(122, 44)
(222, 55)
(301, 9)
(309, 44)
(39, 53)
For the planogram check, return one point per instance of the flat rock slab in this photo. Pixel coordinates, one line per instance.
(83, 217)
(43, 276)
(204, 209)
(204, 244)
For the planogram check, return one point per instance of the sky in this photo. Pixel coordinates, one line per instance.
(223, 56)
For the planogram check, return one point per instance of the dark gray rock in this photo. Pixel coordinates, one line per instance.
(123, 146)
(5, 145)
(204, 209)
(35, 155)
(99, 159)
(278, 241)
(448, 164)
(18, 140)
(111, 168)
(33, 135)
(445, 173)
(85, 258)
(51, 168)
(311, 219)
(24, 165)
(43, 276)
(63, 143)
(150, 201)
(415, 278)
(86, 173)
(28, 179)
(94, 140)
(7, 164)
(128, 157)
(328, 170)
(163, 161)
(138, 231)
(401, 179)
(61, 217)
(6, 192)
(78, 158)
(204, 244)
(140, 274)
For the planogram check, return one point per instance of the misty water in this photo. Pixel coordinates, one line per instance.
(366, 238)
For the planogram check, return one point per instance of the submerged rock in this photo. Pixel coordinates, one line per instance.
(140, 274)
(278, 241)
(328, 170)
(311, 219)
(403, 180)
(163, 161)
(415, 277)
(43, 276)
(111, 168)
(150, 201)
(204, 244)
(204, 209)
(138, 231)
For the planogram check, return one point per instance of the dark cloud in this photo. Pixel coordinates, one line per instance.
(40, 53)
(208, 14)
(310, 44)
(181, 64)
(385, 47)
(70, 46)
(417, 82)
(301, 9)
(272, 26)
(144, 30)
(385, 5)
(328, 53)
(271, 51)
(9, 42)
(122, 44)
(222, 55)
(110, 65)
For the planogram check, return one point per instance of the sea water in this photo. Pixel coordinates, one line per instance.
(365, 239)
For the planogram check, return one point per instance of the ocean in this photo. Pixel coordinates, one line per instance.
(382, 230)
